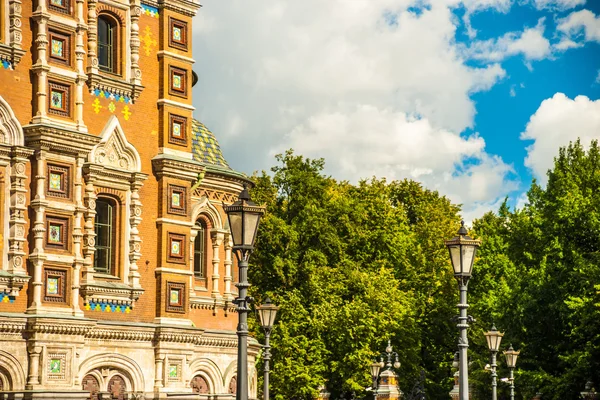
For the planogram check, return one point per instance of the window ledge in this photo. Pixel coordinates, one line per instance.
(10, 56)
(209, 303)
(105, 85)
(110, 293)
(11, 285)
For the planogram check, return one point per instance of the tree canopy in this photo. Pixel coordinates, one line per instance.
(353, 265)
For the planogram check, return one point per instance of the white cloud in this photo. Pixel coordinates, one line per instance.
(530, 43)
(513, 91)
(271, 71)
(558, 5)
(581, 24)
(372, 141)
(558, 121)
(598, 77)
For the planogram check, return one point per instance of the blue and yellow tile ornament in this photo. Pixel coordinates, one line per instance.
(205, 147)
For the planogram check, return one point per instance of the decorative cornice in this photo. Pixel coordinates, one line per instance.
(208, 303)
(121, 334)
(59, 139)
(12, 327)
(115, 86)
(166, 165)
(119, 293)
(185, 7)
(59, 327)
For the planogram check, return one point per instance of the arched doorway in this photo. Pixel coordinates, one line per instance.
(199, 385)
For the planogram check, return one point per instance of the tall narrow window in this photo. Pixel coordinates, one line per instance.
(104, 228)
(107, 44)
(200, 252)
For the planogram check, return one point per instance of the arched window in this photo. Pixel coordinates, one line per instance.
(200, 251)
(105, 229)
(116, 388)
(108, 43)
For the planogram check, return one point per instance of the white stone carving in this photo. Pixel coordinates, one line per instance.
(114, 150)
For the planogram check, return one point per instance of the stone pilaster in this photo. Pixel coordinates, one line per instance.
(217, 237)
(41, 67)
(134, 42)
(228, 264)
(89, 234)
(37, 256)
(135, 241)
(79, 56)
(33, 376)
(77, 236)
(18, 208)
(92, 61)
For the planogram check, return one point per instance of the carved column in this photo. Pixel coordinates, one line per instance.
(89, 234)
(135, 241)
(33, 376)
(217, 238)
(37, 256)
(77, 235)
(159, 360)
(228, 246)
(81, 76)
(134, 43)
(16, 37)
(18, 208)
(92, 61)
(41, 68)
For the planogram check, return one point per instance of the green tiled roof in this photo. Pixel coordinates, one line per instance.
(205, 147)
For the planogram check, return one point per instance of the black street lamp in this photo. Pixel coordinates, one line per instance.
(267, 313)
(462, 251)
(494, 337)
(244, 216)
(511, 362)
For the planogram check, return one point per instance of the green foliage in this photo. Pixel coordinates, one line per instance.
(354, 265)
(340, 260)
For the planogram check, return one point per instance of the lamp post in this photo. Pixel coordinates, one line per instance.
(494, 337)
(267, 313)
(244, 216)
(462, 251)
(589, 392)
(389, 380)
(375, 367)
(511, 361)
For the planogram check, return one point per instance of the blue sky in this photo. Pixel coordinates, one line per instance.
(472, 98)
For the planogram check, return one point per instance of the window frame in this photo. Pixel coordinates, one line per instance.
(63, 222)
(173, 257)
(183, 76)
(61, 296)
(64, 9)
(182, 208)
(202, 232)
(65, 110)
(66, 39)
(179, 307)
(113, 269)
(65, 172)
(115, 46)
(183, 122)
(183, 26)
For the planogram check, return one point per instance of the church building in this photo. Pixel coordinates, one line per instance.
(117, 274)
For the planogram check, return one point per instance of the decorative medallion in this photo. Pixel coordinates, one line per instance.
(57, 47)
(174, 297)
(55, 366)
(52, 286)
(178, 130)
(55, 181)
(58, 180)
(55, 234)
(57, 99)
(175, 247)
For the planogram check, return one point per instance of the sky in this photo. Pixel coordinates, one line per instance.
(472, 98)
